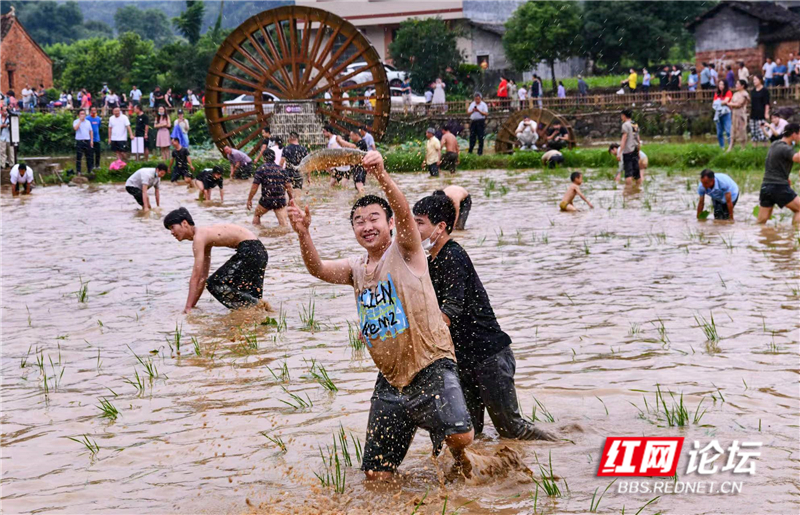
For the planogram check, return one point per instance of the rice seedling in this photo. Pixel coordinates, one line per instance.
(296, 401)
(280, 323)
(358, 447)
(23, 362)
(547, 416)
(549, 482)
(276, 440)
(662, 331)
(489, 187)
(709, 328)
(481, 241)
(675, 415)
(772, 347)
(250, 341)
(176, 339)
(634, 329)
(283, 373)
(421, 502)
(149, 366)
(593, 506)
(586, 248)
(83, 291)
(519, 237)
(30, 324)
(603, 403)
(136, 381)
(307, 316)
(342, 439)
(500, 240)
(648, 503)
(321, 375)
(728, 242)
(196, 345)
(90, 444)
(356, 338)
(333, 475)
(535, 498)
(503, 190)
(107, 409)
(698, 415)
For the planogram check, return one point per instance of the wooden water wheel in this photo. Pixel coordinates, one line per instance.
(506, 139)
(292, 53)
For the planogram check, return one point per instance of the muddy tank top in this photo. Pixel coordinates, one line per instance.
(399, 317)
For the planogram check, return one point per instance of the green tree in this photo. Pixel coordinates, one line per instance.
(621, 33)
(90, 62)
(543, 31)
(49, 22)
(150, 24)
(427, 49)
(190, 21)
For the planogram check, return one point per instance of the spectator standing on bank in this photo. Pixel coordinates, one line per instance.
(163, 141)
(502, 92)
(135, 95)
(793, 65)
(438, 96)
(86, 100)
(664, 78)
(6, 149)
(705, 77)
(158, 97)
(730, 78)
(744, 73)
(646, 78)
(691, 82)
(738, 105)
(83, 142)
(780, 73)
(675, 78)
(34, 99)
(512, 92)
(152, 99)
(26, 96)
(478, 111)
(119, 130)
(759, 111)
(111, 101)
(769, 70)
(562, 91)
(168, 98)
(537, 90)
(714, 75)
(583, 88)
(141, 132)
(722, 113)
(183, 124)
(522, 95)
(95, 121)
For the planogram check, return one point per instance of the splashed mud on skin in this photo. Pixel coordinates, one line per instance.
(324, 159)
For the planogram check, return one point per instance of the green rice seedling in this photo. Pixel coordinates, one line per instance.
(283, 373)
(358, 447)
(634, 329)
(342, 438)
(519, 237)
(500, 240)
(99, 361)
(83, 291)
(648, 503)
(321, 375)
(276, 440)
(30, 324)
(421, 502)
(662, 331)
(136, 381)
(481, 241)
(772, 347)
(709, 328)
(296, 401)
(728, 242)
(107, 409)
(250, 341)
(593, 506)
(544, 412)
(356, 339)
(333, 475)
(176, 338)
(603, 403)
(149, 367)
(489, 187)
(586, 248)
(549, 482)
(675, 415)
(535, 498)
(503, 190)
(24, 361)
(278, 323)
(698, 415)
(196, 345)
(90, 444)
(307, 316)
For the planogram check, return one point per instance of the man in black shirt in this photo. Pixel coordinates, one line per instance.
(759, 110)
(140, 134)
(557, 136)
(180, 163)
(776, 187)
(274, 187)
(207, 180)
(486, 363)
(292, 155)
(358, 172)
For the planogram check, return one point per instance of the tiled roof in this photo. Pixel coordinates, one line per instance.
(6, 21)
(783, 24)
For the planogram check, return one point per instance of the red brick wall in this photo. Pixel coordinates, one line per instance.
(783, 49)
(31, 66)
(752, 57)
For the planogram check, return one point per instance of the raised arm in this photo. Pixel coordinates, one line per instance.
(331, 271)
(408, 238)
(202, 260)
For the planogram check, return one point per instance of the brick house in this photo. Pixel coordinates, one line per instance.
(745, 31)
(22, 60)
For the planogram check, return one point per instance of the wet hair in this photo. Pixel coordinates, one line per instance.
(707, 174)
(269, 156)
(791, 129)
(216, 170)
(438, 209)
(439, 192)
(177, 217)
(162, 166)
(368, 200)
(627, 113)
(574, 175)
(613, 147)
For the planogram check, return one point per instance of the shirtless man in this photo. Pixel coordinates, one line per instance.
(400, 322)
(450, 151)
(462, 202)
(237, 283)
(572, 190)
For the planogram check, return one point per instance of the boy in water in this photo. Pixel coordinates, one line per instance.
(180, 162)
(572, 190)
(462, 201)
(400, 322)
(275, 184)
(486, 362)
(207, 180)
(237, 283)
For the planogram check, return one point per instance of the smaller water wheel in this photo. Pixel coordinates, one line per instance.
(506, 140)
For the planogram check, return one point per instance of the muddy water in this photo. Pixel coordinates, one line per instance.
(582, 297)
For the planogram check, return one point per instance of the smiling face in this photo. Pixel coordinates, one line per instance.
(372, 229)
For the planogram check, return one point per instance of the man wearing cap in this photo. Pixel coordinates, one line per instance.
(526, 133)
(240, 281)
(433, 152)
(478, 111)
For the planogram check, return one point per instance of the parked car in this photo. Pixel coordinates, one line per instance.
(418, 104)
(243, 103)
(393, 75)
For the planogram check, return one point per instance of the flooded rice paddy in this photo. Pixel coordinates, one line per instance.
(602, 306)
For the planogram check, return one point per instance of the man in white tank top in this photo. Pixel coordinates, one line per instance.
(401, 326)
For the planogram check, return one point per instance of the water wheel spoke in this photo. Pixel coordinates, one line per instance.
(345, 108)
(271, 65)
(317, 42)
(320, 63)
(251, 58)
(340, 117)
(293, 52)
(246, 69)
(277, 59)
(236, 116)
(240, 91)
(356, 71)
(250, 137)
(336, 71)
(255, 121)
